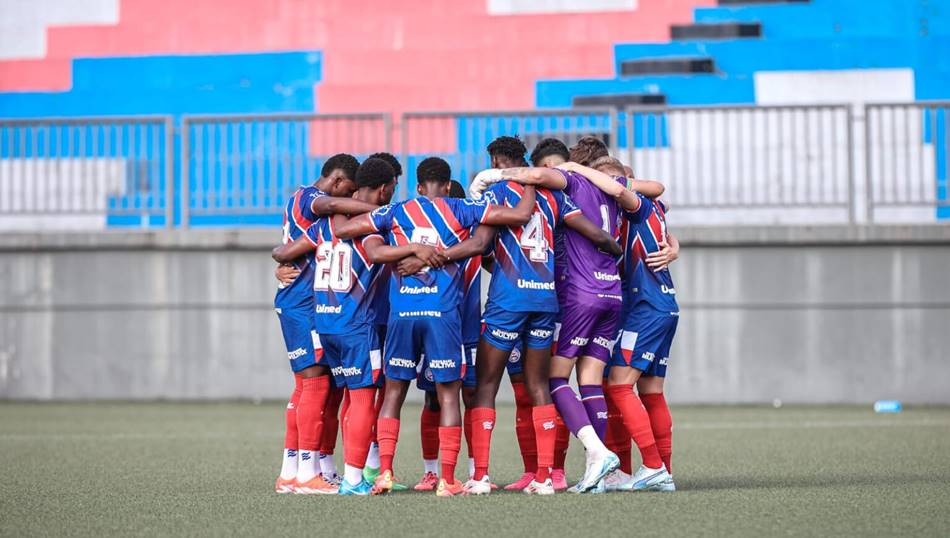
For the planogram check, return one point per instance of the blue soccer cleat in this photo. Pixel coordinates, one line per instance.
(649, 479)
(363, 488)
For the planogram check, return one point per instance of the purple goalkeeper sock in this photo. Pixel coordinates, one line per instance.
(568, 405)
(593, 398)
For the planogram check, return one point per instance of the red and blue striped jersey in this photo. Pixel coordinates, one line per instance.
(297, 219)
(471, 311)
(443, 222)
(641, 233)
(523, 275)
(345, 282)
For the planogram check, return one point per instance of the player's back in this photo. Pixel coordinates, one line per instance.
(523, 276)
(641, 235)
(298, 217)
(580, 265)
(345, 282)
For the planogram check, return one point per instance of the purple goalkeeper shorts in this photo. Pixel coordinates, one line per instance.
(588, 328)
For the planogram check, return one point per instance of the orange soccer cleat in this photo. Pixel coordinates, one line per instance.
(446, 489)
(316, 486)
(428, 482)
(383, 484)
(285, 485)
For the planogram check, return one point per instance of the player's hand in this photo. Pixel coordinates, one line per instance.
(410, 266)
(429, 255)
(286, 274)
(662, 258)
(483, 180)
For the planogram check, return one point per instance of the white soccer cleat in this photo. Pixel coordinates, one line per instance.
(540, 488)
(477, 487)
(597, 469)
(667, 485)
(617, 481)
(647, 479)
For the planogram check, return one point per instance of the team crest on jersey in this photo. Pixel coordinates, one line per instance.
(384, 210)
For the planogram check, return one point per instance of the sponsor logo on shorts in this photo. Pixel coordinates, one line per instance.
(648, 356)
(504, 335)
(549, 425)
(664, 360)
(579, 341)
(297, 353)
(487, 425)
(442, 363)
(416, 290)
(606, 277)
(347, 371)
(418, 313)
(402, 363)
(329, 309)
(535, 285)
(668, 290)
(604, 342)
(541, 333)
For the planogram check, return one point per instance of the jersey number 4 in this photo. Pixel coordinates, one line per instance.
(334, 267)
(533, 240)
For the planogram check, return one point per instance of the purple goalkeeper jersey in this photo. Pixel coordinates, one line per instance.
(581, 269)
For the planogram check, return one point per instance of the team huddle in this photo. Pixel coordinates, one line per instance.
(376, 295)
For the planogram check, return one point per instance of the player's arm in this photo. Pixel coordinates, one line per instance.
(647, 187)
(500, 215)
(595, 234)
(668, 253)
(332, 205)
(291, 251)
(526, 175)
(474, 245)
(379, 252)
(626, 198)
(344, 228)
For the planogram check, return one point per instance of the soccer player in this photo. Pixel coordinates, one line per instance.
(424, 311)
(294, 306)
(345, 283)
(522, 304)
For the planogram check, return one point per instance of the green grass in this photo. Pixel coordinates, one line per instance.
(208, 469)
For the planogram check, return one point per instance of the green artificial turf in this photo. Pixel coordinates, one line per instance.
(208, 469)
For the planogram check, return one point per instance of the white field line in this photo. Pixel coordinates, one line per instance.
(751, 425)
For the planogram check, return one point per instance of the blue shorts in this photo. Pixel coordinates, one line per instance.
(515, 365)
(437, 339)
(505, 329)
(644, 339)
(426, 382)
(354, 358)
(296, 324)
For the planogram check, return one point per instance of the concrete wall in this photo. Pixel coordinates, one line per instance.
(829, 314)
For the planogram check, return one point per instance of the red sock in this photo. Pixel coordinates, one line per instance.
(617, 439)
(290, 436)
(662, 424)
(380, 396)
(637, 421)
(387, 433)
(561, 441)
(544, 418)
(359, 420)
(344, 409)
(331, 420)
(429, 432)
(524, 428)
(313, 396)
(467, 430)
(450, 442)
(483, 422)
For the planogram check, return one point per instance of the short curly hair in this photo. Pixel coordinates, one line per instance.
(391, 159)
(456, 190)
(508, 146)
(342, 161)
(374, 172)
(433, 169)
(548, 147)
(588, 149)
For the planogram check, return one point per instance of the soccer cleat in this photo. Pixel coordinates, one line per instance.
(597, 469)
(370, 474)
(285, 485)
(428, 482)
(617, 481)
(478, 487)
(521, 483)
(540, 488)
(383, 483)
(666, 485)
(559, 480)
(316, 486)
(399, 487)
(647, 479)
(445, 489)
(336, 480)
(361, 489)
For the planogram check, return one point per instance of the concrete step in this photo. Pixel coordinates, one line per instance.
(619, 100)
(665, 66)
(725, 30)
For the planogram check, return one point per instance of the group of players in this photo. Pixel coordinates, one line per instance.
(374, 295)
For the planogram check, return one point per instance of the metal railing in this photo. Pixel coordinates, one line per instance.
(757, 157)
(461, 138)
(241, 169)
(906, 153)
(116, 168)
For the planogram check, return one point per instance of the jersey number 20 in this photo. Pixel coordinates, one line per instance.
(334, 267)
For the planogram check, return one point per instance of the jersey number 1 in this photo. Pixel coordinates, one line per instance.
(334, 267)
